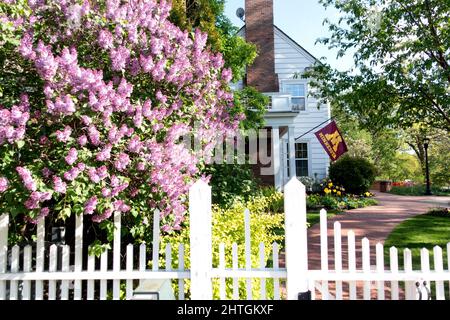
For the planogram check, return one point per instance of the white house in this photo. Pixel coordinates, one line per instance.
(291, 112)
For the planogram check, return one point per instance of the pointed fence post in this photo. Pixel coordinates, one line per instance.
(4, 221)
(296, 240)
(201, 240)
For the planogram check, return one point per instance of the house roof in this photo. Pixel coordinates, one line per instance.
(295, 43)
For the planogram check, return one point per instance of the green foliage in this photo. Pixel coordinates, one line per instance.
(329, 202)
(230, 182)
(401, 72)
(418, 190)
(208, 15)
(355, 174)
(228, 228)
(253, 104)
(273, 200)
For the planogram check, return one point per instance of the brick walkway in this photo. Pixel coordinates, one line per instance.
(375, 223)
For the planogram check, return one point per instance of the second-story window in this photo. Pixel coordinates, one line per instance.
(298, 93)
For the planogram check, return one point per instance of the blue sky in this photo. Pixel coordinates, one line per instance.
(302, 21)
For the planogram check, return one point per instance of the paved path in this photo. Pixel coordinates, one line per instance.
(375, 223)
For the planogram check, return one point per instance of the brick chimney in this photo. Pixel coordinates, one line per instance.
(259, 30)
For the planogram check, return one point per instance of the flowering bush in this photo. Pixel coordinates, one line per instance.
(97, 98)
(329, 188)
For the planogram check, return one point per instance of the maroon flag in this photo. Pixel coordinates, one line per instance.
(331, 139)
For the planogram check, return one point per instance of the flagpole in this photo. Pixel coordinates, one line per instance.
(314, 128)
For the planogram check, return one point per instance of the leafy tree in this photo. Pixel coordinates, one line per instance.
(227, 180)
(208, 16)
(438, 153)
(401, 55)
(94, 102)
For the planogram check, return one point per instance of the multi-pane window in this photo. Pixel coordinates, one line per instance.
(301, 160)
(298, 93)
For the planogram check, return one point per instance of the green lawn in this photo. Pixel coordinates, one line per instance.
(313, 217)
(423, 231)
(418, 191)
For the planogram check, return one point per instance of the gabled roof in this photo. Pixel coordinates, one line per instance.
(293, 42)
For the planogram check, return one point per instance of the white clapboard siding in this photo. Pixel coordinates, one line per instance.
(338, 257)
(129, 267)
(116, 253)
(324, 250)
(379, 251)
(439, 267)
(248, 256)
(351, 243)
(366, 267)
(13, 288)
(262, 265)
(276, 281)
(53, 263)
(91, 283)
(393, 260)
(222, 293)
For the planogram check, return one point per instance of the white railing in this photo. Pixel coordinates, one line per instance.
(378, 272)
(47, 273)
(281, 103)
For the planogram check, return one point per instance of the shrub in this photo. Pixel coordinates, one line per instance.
(228, 228)
(274, 198)
(330, 202)
(314, 201)
(229, 182)
(355, 174)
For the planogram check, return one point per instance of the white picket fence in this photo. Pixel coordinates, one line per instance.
(375, 280)
(24, 275)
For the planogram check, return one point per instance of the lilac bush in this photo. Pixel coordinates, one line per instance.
(108, 89)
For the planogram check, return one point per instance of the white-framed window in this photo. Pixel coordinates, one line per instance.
(298, 93)
(301, 159)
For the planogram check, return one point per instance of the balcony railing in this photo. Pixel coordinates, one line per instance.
(280, 102)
